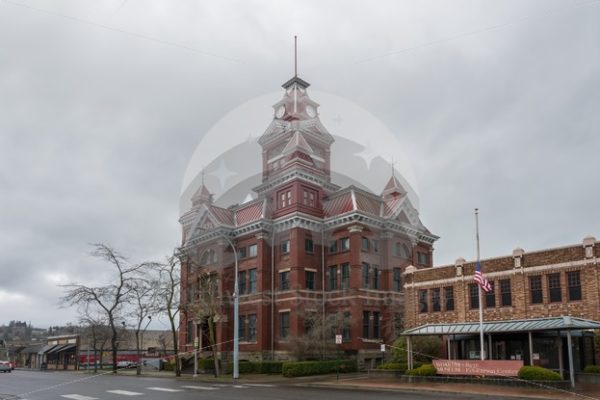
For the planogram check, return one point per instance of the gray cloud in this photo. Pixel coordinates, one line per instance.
(97, 125)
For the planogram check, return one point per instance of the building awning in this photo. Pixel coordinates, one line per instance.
(528, 325)
(31, 349)
(56, 349)
(46, 348)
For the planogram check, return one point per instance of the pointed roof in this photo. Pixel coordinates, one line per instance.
(297, 142)
(202, 196)
(295, 80)
(393, 187)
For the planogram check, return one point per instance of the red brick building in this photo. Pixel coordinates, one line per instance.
(306, 247)
(526, 286)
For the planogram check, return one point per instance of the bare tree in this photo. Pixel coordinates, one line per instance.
(109, 299)
(98, 334)
(318, 340)
(207, 310)
(167, 298)
(144, 304)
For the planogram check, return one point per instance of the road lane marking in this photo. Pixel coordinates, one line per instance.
(162, 389)
(259, 384)
(77, 397)
(124, 392)
(199, 387)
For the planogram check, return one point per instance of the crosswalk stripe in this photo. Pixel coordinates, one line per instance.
(199, 387)
(125, 392)
(77, 397)
(162, 389)
(260, 384)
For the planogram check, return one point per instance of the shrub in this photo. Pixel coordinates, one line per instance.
(270, 367)
(206, 363)
(307, 368)
(423, 370)
(592, 369)
(169, 365)
(393, 366)
(257, 367)
(530, 373)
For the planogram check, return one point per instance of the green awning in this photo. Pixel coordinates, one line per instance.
(527, 325)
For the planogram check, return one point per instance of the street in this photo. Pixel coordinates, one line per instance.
(35, 385)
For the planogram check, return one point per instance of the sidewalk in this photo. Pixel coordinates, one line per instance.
(459, 389)
(370, 383)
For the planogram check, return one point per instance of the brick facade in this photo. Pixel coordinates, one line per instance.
(307, 247)
(576, 287)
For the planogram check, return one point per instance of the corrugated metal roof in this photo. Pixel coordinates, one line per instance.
(536, 324)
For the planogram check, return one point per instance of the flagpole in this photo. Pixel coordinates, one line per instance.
(482, 349)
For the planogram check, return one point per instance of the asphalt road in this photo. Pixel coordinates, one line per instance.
(35, 385)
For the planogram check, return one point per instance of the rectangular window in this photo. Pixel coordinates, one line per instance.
(535, 286)
(554, 288)
(309, 198)
(375, 277)
(422, 258)
(397, 280)
(449, 298)
(309, 246)
(505, 293)
(376, 324)
(490, 297)
(333, 277)
(365, 275)
(423, 306)
(435, 300)
(252, 281)
(242, 282)
(344, 244)
(252, 328)
(242, 327)
(574, 282)
(333, 246)
(345, 276)
(252, 250)
(310, 279)
(346, 332)
(284, 325)
(375, 246)
(364, 244)
(474, 295)
(397, 249)
(241, 252)
(398, 324)
(365, 324)
(309, 322)
(285, 247)
(284, 280)
(189, 332)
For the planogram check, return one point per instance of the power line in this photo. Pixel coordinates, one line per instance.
(475, 32)
(118, 30)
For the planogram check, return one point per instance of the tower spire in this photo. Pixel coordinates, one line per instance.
(295, 56)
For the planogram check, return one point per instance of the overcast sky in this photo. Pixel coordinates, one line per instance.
(102, 104)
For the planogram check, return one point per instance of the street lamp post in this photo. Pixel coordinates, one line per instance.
(236, 316)
(139, 364)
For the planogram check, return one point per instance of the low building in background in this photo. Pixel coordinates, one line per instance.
(538, 298)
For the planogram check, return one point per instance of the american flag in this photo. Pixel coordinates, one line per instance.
(481, 279)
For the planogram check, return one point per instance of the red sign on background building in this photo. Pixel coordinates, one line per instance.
(478, 367)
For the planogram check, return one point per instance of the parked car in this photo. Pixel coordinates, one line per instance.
(126, 364)
(5, 366)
